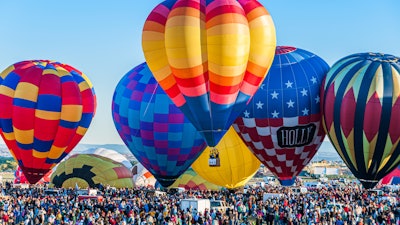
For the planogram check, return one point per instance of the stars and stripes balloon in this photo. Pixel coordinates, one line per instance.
(153, 128)
(210, 57)
(45, 109)
(281, 125)
(361, 108)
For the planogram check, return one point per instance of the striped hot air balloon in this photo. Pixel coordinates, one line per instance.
(361, 113)
(210, 57)
(46, 108)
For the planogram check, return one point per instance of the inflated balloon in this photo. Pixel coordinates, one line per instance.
(153, 128)
(142, 177)
(282, 123)
(361, 104)
(238, 164)
(393, 178)
(46, 108)
(210, 57)
(91, 170)
(109, 153)
(190, 180)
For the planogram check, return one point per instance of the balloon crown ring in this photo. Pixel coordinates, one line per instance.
(381, 57)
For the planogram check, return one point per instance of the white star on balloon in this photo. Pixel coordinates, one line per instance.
(304, 92)
(262, 86)
(289, 84)
(259, 105)
(246, 114)
(275, 114)
(317, 99)
(274, 95)
(290, 104)
(305, 111)
(313, 80)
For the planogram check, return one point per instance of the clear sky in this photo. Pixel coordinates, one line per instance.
(103, 38)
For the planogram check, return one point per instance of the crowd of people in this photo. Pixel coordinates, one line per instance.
(144, 206)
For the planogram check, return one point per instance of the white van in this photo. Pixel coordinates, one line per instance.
(219, 205)
(313, 185)
(269, 196)
(199, 205)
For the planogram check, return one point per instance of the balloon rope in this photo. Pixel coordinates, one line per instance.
(370, 181)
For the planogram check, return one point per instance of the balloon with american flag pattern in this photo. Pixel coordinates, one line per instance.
(282, 123)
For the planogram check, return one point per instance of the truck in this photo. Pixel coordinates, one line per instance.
(199, 205)
(219, 205)
(271, 196)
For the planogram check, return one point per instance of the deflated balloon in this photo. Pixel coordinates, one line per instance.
(361, 105)
(209, 57)
(91, 170)
(46, 108)
(190, 180)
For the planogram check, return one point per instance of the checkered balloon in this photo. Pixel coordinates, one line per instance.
(282, 124)
(153, 128)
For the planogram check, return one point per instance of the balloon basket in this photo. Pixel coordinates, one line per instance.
(214, 160)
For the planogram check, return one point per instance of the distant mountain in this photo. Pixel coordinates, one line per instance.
(122, 149)
(325, 152)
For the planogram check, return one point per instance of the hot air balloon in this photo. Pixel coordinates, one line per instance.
(142, 177)
(19, 177)
(153, 128)
(209, 57)
(282, 123)
(92, 170)
(361, 108)
(190, 180)
(46, 108)
(393, 178)
(238, 164)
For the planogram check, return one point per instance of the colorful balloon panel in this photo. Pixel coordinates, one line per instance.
(142, 177)
(46, 108)
(91, 170)
(282, 123)
(190, 180)
(362, 113)
(153, 128)
(393, 178)
(238, 164)
(20, 178)
(210, 57)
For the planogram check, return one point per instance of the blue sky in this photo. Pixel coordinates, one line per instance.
(103, 38)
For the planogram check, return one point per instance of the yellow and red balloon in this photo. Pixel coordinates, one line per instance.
(210, 57)
(46, 108)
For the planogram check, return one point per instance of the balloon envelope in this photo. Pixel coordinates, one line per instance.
(393, 178)
(20, 178)
(282, 123)
(46, 108)
(361, 107)
(91, 170)
(209, 57)
(142, 177)
(190, 180)
(153, 128)
(238, 164)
